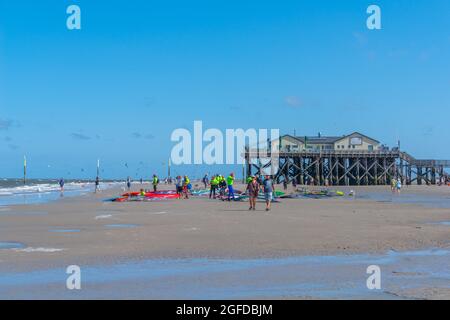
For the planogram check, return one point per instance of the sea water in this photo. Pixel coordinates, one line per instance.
(13, 191)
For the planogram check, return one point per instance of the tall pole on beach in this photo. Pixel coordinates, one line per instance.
(168, 169)
(24, 170)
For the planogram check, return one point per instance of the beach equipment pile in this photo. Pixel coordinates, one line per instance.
(147, 196)
(314, 194)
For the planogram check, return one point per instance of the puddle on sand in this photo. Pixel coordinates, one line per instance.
(441, 223)
(121, 226)
(11, 245)
(65, 230)
(40, 249)
(429, 201)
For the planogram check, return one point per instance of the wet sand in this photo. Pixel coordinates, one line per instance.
(87, 231)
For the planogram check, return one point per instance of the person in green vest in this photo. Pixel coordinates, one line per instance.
(213, 187)
(155, 182)
(222, 186)
(186, 186)
(230, 182)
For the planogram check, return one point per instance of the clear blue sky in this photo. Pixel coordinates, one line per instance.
(137, 70)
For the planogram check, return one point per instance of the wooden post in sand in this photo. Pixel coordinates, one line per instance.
(302, 180)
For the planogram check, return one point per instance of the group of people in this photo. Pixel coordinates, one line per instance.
(254, 185)
(183, 186)
(219, 185)
(396, 185)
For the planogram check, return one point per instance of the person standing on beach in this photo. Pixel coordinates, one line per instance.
(179, 186)
(213, 187)
(205, 180)
(399, 185)
(393, 184)
(222, 186)
(155, 182)
(61, 184)
(253, 191)
(268, 191)
(230, 182)
(186, 186)
(97, 184)
(128, 183)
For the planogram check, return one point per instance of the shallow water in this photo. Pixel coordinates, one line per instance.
(443, 223)
(341, 276)
(43, 191)
(426, 200)
(65, 230)
(121, 225)
(11, 245)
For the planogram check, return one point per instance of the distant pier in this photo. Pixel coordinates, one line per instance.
(325, 163)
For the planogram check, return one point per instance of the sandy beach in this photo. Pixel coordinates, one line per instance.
(88, 231)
